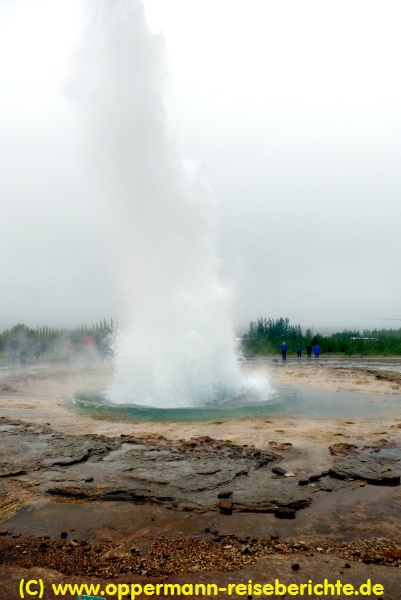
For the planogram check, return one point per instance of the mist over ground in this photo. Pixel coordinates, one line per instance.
(293, 113)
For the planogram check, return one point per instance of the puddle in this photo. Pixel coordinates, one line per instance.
(346, 514)
(377, 453)
(125, 447)
(7, 427)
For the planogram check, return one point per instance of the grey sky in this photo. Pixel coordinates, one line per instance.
(292, 109)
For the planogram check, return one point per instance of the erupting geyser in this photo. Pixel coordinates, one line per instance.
(175, 346)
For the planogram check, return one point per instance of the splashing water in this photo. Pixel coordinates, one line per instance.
(175, 345)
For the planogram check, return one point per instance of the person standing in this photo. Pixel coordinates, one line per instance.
(299, 350)
(67, 351)
(23, 354)
(316, 350)
(284, 350)
(309, 351)
(90, 348)
(12, 353)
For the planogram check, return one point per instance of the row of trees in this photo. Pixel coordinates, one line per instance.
(51, 338)
(265, 336)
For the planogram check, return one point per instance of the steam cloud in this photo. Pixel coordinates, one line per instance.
(175, 346)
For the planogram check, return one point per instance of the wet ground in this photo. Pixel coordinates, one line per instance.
(204, 501)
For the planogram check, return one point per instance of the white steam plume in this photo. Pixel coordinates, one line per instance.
(175, 346)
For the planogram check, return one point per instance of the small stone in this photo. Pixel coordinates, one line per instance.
(393, 554)
(303, 482)
(319, 549)
(64, 535)
(284, 513)
(88, 479)
(3, 531)
(16, 535)
(315, 477)
(226, 507)
(74, 544)
(279, 471)
(134, 550)
(295, 567)
(245, 549)
(224, 494)
(289, 474)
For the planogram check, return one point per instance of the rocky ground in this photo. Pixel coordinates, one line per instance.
(220, 501)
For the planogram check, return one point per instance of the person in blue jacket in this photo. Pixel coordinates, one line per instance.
(284, 350)
(316, 350)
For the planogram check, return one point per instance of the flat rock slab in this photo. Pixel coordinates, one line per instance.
(371, 472)
(185, 475)
(25, 448)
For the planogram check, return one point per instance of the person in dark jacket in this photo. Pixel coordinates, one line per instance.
(309, 351)
(299, 350)
(284, 350)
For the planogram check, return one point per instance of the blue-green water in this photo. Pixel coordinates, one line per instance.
(285, 400)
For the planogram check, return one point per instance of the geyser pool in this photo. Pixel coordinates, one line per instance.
(285, 400)
(175, 343)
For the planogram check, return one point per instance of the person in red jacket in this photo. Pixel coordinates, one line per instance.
(90, 348)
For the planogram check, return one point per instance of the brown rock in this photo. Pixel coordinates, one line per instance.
(342, 449)
(393, 554)
(3, 531)
(284, 513)
(226, 507)
(279, 471)
(224, 494)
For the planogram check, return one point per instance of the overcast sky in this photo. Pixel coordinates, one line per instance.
(292, 110)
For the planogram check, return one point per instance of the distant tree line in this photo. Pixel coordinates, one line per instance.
(51, 338)
(265, 336)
